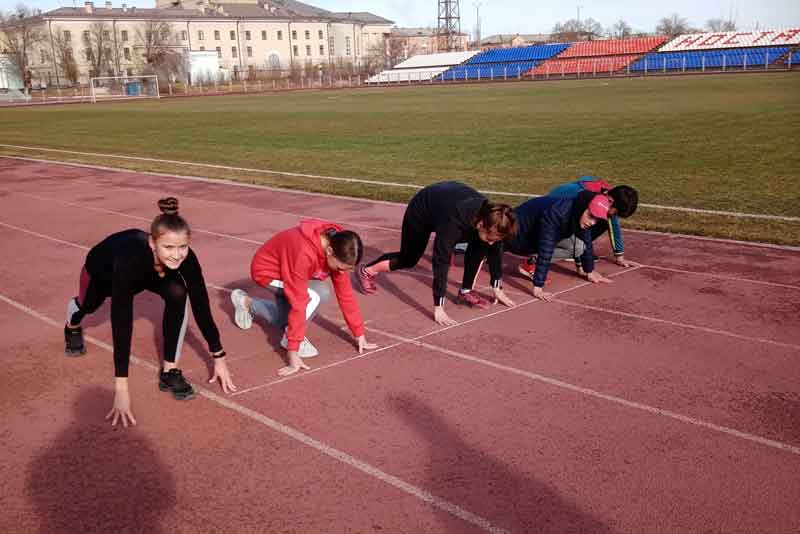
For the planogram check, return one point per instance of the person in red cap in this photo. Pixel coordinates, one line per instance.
(294, 265)
(554, 228)
(625, 201)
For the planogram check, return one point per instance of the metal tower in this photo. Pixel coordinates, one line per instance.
(449, 26)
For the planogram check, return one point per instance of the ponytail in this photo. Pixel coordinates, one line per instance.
(168, 220)
(498, 219)
(347, 246)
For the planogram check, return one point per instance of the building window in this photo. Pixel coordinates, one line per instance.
(347, 45)
(247, 35)
(88, 54)
(331, 49)
(126, 53)
(85, 36)
(249, 51)
(233, 52)
(216, 35)
(130, 72)
(308, 35)
(308, 50)
(200, 35)
(107, 52)
(42, 56)
(322, 50)
(233, 35)
(280, 35)
(263, 35)
(321, 36)
(123, 35)
(67, 36)
(184, 35)
(202, 48)
(69, 53)
(295, 50)
(106, 35)
(219, 52)
(294, 34)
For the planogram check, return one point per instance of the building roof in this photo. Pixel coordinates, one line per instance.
(508, 37)
(271, 9)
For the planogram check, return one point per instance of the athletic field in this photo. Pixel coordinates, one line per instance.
(725, 142)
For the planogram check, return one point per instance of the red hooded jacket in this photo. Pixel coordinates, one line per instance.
(294, 257)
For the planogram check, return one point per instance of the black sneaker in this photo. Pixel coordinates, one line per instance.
(73, 339)
(173, 381)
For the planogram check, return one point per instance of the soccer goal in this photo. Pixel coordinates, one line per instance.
(123, 87)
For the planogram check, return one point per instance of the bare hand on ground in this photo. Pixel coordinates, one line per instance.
(596, 277)
(295, 364)
(363, 344)
(501, 297)
(539, 293)
(441, 317)
(222, 374)
(122, 407)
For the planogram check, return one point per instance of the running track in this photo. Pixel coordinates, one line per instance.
(668, 401)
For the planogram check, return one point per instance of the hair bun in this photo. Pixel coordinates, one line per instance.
(168, 206)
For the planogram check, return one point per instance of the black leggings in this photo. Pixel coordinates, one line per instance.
(171, 288)
(413, 242)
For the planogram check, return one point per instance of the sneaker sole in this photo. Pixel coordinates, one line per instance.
(177, 396)
(75, 353)
(242, 316)
(362, 289)
(525, 273)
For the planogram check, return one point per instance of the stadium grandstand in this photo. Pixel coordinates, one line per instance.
(597, 57)
(421, 68)
(502, 63)
(766, 49)
(722, 51)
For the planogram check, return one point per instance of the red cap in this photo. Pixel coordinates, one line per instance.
(599, 206)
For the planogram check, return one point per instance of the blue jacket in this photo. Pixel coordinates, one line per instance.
(571, 190)
(543, 222)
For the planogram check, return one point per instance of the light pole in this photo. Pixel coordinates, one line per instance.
(478, 23)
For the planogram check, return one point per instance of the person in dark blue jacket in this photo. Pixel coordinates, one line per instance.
(625, 201)
(545, 223)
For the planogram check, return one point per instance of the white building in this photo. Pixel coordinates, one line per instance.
(245, 34)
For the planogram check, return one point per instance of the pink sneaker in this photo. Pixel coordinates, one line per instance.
(474, 300)
(366, 281)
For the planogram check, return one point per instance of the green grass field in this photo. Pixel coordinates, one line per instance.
(726, 142)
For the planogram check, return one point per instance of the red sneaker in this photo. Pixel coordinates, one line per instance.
(527, 268)
(473, 299)
(366, 281)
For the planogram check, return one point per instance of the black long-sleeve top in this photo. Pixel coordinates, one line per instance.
(123, 264)
(449, 210)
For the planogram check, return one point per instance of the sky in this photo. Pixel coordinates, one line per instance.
(529, 16)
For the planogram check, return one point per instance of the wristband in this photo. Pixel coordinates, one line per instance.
(220, 355)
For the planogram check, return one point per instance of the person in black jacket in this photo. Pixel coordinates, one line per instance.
(128, 262)
(547, 222)
(455, 212)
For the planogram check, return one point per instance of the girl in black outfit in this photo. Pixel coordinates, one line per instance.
(456, 213)
(128, 262)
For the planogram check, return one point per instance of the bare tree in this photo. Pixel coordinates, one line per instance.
(20, 34)
(100, 50)
(620, 30)
(673, 26)
(65, 57)
(159, 54)
(720, 25)
(575, 30)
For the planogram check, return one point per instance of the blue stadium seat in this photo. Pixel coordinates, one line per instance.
(696, 59)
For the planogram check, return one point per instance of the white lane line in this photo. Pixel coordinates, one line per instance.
(328, 450)
(720, 240)
(721, 276)
(680, 209)
(129, 216)
(677, 324)
(43, 236)
(599, 395)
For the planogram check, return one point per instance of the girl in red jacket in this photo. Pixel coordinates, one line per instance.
(294, 265)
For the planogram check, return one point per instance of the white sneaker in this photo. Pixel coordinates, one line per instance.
(306, 350)
(461, 248)
(243, 317)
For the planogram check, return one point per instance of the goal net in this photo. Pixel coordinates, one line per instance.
(123, 87)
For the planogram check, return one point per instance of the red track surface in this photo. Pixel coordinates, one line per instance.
(667, 402)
